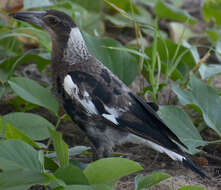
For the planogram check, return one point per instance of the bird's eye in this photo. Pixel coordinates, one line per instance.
(53, 20)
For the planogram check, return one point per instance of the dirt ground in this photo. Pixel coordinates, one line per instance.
(153, 161)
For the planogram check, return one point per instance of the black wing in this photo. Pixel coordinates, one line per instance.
(137, 117)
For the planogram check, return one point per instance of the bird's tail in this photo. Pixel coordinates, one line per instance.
(189, 164)
(178, 155)
(181, 156)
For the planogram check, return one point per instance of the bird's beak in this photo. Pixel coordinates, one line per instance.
(35, 18)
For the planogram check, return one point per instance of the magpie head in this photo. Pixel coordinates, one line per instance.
(56, 22)
(67, 40)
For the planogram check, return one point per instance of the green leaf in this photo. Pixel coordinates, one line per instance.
(73, 151)
(3, 75)
(36, 4)
(60, 146)
(119, 20)
(2, 92)
(211, 70)
(13, 133)
(145, 182)
(32, 125)
(50, 164)
(71, 175)
(179, 122)
(34, 93)
(42, 60)
(79, 164)
(213, 34)
(96, 6)
(204, 97)
(16, 154)
(0, 125)
(132, 51)
(165, 10)
(188, 187)
(121, 63)
(211, 11)
(108, 170)
(180, 31)
(22, 105)
(166, 49)
(20, 179)
(124, 5)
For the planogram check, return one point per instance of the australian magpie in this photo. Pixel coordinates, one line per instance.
(96, 100)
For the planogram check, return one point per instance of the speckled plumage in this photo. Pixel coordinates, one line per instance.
(102, 106)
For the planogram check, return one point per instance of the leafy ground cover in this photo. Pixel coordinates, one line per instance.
(168, 52)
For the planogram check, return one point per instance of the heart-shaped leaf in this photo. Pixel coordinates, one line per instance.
(108, 170)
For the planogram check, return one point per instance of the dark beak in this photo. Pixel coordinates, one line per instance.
(35, 18)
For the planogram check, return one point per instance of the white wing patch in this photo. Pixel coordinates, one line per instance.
(138, 140)
(114, 113)
(110, 118)
(73, 91)
(70, 87)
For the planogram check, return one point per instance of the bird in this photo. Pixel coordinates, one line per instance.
(103, 107)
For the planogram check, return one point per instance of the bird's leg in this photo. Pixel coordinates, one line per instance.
(99, 149)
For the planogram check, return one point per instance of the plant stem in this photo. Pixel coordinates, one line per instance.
(56, 126)
(215, 142)
(154, 60)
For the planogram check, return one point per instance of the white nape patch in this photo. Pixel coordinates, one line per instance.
(76, 36)
(76, 50)
(114, 113)
(73, 91)
(138, 140)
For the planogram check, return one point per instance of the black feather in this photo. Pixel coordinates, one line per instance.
(153, 119)
(189, 164)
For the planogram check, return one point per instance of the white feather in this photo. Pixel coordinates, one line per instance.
(73, 91)
(110, 118)
(138, 140)
(114, 113)
(70, 87)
